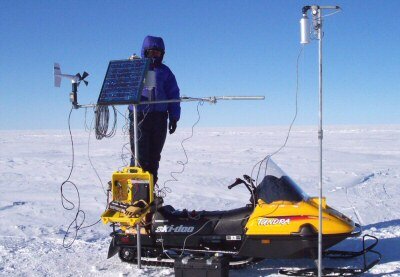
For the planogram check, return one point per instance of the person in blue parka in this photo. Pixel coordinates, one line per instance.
(155, 119)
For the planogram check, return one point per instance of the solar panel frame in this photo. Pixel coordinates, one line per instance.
(123, 82)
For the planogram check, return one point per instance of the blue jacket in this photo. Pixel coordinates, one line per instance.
(166, 85)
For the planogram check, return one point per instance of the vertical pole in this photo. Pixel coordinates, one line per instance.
(320, 137)
(74, 94)
(138, 246)
(135, 131)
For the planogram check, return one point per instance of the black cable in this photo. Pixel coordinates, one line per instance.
(266, 158)
(139, 134)
(102, 114)
(126, 130)
(164, 190)
(90, 159)
(87, 128)
(78, 226)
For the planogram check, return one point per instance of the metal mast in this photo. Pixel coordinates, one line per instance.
(317, 28)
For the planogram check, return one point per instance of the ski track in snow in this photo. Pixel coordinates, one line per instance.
(361, 179)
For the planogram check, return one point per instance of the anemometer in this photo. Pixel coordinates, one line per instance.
(75, 80)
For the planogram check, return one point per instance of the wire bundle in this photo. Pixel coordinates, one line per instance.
(102, 115)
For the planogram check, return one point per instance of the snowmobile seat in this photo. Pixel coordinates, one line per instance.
(229, 214)
(169, 211)
(230, 222)
(223, 222)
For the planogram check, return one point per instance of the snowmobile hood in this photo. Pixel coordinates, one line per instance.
(156, 43)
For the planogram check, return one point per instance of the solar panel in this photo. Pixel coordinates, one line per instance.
(123, 83)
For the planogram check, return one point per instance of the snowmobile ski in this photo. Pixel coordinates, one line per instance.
(339, 254)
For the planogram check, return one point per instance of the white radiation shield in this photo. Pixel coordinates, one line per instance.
(304, 30)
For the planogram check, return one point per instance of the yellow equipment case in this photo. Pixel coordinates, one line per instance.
(132, 194)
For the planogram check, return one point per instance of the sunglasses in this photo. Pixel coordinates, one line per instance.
(153, 53)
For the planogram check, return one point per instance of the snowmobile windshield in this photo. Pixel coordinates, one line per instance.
(277, 186)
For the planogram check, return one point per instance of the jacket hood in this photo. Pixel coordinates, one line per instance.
(151, 42)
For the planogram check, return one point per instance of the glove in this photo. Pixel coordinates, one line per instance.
(172, 126)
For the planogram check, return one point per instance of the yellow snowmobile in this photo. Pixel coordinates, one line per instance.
(280, 222)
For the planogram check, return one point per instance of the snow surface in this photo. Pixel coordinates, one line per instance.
(361, 179)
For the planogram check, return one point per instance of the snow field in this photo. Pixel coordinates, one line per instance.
(361, 179)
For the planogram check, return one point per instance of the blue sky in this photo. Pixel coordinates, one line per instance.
(214, 48)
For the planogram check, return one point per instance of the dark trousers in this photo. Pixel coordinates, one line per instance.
(152, 131)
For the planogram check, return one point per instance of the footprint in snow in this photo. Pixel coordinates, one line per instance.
(19, 203)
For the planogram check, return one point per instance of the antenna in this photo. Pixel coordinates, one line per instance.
(316, 12)
(75, 80)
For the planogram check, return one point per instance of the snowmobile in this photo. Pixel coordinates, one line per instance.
(280, 222)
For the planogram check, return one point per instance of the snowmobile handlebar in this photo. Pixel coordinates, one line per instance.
(250, 181)
(237, 182)
(249, 185)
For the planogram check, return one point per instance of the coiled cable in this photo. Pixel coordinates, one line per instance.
(102, 115)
